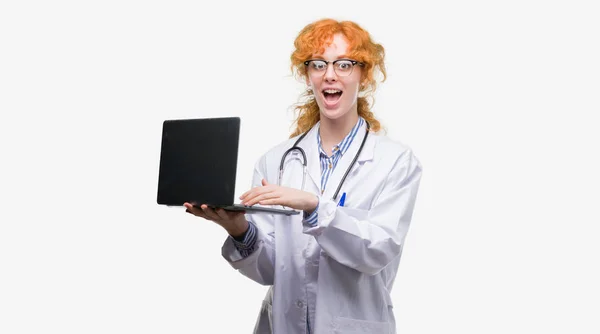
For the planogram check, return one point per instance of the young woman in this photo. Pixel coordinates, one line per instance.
(331, 268)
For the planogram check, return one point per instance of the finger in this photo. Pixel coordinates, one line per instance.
(193, 206)
(265, 186)
(189, 207)
(249, 196)
(273, 201)
(222, 214)
(262, 197)
(245, 194)
(261, 191)
(196, 212)
(249, 192)
(202, 215)
(252, 192)
(209, 212)
(250, 200)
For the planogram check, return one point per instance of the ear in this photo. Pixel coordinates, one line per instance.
(309, 86)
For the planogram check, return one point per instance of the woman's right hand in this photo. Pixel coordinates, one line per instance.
(234, 223)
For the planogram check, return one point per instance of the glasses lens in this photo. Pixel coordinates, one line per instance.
(317, 66)
(343, 67)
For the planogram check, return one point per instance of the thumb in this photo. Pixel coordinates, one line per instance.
(264, 182)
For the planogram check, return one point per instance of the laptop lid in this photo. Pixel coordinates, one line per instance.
(198, 161)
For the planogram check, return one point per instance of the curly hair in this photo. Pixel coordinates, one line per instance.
(313, 39)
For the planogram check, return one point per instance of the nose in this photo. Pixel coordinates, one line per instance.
(330, 74)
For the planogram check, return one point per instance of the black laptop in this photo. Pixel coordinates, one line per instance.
(198, 164)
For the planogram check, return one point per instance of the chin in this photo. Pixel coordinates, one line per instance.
(331, 113)
(335, 113)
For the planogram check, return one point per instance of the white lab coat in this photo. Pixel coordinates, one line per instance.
(343, 268)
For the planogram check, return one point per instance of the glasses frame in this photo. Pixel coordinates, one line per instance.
(353, 62)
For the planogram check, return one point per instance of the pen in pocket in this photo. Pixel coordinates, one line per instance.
(342, 200)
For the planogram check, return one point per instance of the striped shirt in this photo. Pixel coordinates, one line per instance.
(246, 243)
(328, 165)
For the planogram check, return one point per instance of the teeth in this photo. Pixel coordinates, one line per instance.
(332, 91)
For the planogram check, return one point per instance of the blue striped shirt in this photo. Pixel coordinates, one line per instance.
(246, 243)
(328, 165)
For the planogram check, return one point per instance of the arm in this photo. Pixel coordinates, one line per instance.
(369, 240)
(254, 255)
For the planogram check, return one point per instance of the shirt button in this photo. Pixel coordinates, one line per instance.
(300, 304)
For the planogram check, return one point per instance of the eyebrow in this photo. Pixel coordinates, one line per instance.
(338, 58)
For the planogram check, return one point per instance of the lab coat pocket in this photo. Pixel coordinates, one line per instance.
(359, 214)
(348, 325)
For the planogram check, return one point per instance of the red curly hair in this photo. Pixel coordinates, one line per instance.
(313, 39)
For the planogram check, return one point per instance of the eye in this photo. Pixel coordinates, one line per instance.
(344, 65)
(318, 65)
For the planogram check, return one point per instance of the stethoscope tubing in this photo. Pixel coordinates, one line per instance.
(304, 161)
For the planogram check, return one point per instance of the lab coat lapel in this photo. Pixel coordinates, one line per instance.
(346, 160)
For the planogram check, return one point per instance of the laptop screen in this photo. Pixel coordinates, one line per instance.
(198, 161)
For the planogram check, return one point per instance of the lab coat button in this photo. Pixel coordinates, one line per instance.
(300, 304)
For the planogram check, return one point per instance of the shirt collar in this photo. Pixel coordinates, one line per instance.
(343, 146)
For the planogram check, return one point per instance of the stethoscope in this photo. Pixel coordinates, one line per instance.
(304, 161)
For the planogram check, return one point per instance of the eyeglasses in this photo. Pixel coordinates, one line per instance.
(342, 67)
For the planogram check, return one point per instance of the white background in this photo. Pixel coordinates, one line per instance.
(499, 100)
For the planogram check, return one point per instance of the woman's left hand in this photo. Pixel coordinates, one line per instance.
(272, 194)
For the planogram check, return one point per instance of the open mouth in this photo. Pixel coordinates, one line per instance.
(331, 96)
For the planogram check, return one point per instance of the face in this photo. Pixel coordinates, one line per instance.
(335, 94)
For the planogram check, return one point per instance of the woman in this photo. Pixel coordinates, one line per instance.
(332, 268)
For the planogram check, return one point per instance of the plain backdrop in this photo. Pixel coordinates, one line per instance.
(498, 99)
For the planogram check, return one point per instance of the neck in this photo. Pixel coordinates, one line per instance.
(334, 130)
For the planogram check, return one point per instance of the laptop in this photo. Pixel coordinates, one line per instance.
(198, 164)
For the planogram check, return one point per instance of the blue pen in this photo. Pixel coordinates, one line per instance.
(342, 200)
